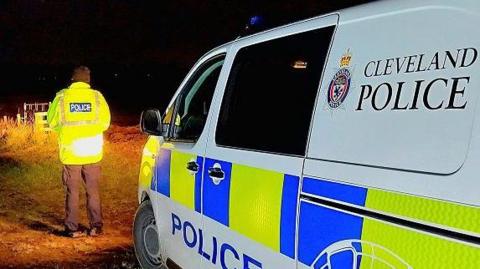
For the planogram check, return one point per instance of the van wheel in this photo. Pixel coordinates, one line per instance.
(145, 237)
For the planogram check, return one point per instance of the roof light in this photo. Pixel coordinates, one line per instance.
(256, 20)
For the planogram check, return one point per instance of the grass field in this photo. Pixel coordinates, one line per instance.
(32, 202)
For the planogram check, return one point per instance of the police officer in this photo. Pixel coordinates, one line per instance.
(80, 115)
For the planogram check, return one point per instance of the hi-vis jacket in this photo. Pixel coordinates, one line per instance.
(79, 115)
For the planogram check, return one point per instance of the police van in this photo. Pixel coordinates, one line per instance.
(349, 140)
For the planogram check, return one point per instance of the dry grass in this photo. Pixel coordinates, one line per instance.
(32, 197)
(15, 137)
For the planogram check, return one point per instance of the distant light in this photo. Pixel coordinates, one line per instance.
(299, 64)
(116, 74)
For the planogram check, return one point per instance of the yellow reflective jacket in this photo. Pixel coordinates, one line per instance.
(79, 115)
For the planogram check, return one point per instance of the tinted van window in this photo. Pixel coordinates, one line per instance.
(271, 92)
(195, 100)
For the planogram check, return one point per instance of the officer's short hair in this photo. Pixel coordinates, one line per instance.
(81, 74)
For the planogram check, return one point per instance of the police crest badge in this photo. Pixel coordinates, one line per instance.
(340, 85)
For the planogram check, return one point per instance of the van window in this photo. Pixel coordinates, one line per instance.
(193, 104)
(271, 91)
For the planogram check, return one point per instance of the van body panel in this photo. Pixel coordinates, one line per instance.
(175, 191)
(411, 104)
(415, 208)
(260, 202)
(340, 239)
(384, 161)
(388, 7)
(255, 205)
(257, 222)
(389, 174)
(287, 30)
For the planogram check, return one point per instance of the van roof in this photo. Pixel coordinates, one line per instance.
(369, 10)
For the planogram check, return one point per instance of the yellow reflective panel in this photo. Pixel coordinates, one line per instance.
(255, 204)
(182, 182)
(148, 162)
(79, 145)
(435, 211)
(419, 250)
(87, 146)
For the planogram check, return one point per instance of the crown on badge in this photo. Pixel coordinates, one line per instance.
(346, 59)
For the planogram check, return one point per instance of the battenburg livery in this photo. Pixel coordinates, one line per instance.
(349, 140)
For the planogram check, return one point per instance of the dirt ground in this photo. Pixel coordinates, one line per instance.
(32, 203)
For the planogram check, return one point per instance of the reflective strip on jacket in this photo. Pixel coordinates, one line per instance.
(80, 115)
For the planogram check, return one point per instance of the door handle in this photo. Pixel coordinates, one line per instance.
(216, 173)
(192, 167)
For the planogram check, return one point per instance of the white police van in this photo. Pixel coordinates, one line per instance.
(350, 140)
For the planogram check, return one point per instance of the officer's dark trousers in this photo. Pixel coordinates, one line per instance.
(73, 176)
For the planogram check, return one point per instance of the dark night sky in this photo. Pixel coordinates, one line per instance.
(41, 40)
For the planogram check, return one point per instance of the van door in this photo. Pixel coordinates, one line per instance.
(257, 145)
(179, 165)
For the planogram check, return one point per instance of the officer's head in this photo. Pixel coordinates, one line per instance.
(81, 74)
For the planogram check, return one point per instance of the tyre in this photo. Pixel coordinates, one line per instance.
(145, 237)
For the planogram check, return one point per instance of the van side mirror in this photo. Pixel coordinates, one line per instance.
(151, 122)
